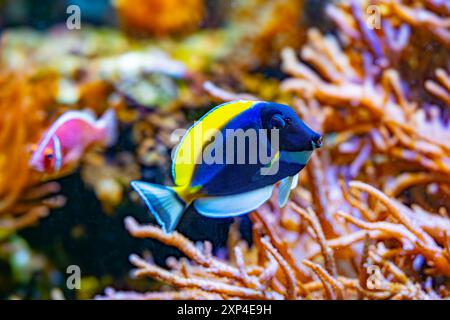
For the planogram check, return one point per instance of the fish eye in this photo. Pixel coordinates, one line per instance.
(277, 122)
(49, 156)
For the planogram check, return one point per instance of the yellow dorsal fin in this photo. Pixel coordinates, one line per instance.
(190, 148)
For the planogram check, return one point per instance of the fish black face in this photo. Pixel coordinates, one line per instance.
(294, 134)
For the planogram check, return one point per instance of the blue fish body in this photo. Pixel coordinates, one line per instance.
(224, 176)
(232, 178)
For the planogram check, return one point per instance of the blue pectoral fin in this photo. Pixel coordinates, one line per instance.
(284, 190)
(286, 185)
(233, 205)
(294, 182)
(162, 202)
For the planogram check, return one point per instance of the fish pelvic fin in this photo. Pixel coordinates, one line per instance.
(107, 125)
(233, 205)
(163, 202)
(284, 190)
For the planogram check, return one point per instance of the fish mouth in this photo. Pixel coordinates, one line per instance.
(316, 144)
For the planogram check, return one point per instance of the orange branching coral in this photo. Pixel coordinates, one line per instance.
(441, 87)
(292, 265)
(423, 14)
(376, 116)
(111, 294)
(349, 88)
(160, 17)
(224, 95)
(206, 273)
(394, 19)
(24, 106)
(406, 229)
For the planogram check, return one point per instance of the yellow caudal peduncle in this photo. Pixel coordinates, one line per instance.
(187, 193)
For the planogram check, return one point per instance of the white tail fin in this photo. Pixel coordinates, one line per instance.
(108, 126)
(162, 202)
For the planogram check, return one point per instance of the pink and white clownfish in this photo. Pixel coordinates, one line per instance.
(67, 139)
